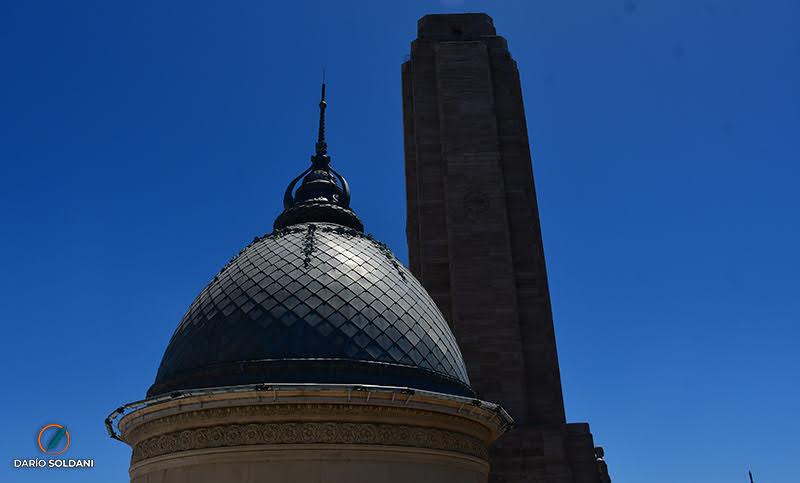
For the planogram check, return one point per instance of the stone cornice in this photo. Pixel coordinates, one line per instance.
(310, 417)
(290, 404)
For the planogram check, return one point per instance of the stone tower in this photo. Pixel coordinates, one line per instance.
(475, 242)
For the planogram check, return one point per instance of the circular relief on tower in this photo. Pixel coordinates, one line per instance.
(476, 205)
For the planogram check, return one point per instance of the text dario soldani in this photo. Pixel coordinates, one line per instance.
(53, 440)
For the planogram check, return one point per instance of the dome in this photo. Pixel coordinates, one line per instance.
(315, 301)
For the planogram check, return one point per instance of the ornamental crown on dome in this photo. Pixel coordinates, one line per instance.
(319, 198)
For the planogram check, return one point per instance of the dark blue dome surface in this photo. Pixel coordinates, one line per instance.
(313, 303)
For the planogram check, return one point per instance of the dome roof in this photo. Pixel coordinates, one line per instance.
(315, 301)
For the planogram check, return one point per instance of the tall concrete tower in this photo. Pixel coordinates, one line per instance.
(475, 242)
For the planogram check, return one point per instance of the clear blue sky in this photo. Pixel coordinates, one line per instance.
(143, 144)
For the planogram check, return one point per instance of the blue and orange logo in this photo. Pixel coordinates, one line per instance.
(52, 439)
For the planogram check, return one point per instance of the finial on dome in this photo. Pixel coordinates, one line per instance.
(322, 146)
(319, 198)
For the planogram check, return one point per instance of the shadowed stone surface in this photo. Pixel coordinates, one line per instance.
(475, 241)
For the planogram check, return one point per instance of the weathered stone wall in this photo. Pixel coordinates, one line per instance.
(474, 235)
(473, 224)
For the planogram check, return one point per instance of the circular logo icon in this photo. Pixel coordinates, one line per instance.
(53, 439)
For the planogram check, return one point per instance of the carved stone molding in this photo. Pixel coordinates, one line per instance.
(335, 433)
(407, 429)
(294, 412)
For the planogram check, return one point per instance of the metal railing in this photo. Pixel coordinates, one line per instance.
(365, 391)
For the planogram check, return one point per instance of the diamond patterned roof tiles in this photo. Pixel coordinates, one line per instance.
(313, 303)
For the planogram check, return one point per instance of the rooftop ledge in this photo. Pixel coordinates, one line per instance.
(133, 414)
(455, 26)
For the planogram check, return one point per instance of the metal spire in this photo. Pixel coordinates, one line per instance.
(323, 195)
(322, 146)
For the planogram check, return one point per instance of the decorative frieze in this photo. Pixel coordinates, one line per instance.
(335, 433)
(135, 431)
